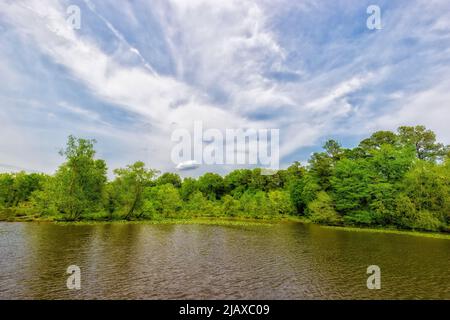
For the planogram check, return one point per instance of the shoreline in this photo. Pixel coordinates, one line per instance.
(241, 221)
(414, 233)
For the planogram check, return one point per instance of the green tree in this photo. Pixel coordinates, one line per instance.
(424, 141)
(45, 200)
(165, 200)
(280, 202)
(24, 185)
(351, 185)
(379, 139)
(428, 186)
(171, 178)
(333, 149)
(389, 179)
(199, 205)
(188, 187)
(258, 181)
(365, 188)
(294, 173)
(6, 189)
(230, 206)
(130, 183)
(321, 166)
(211, 185)
(390, 164)
(321, 210)
(237, 181)
(111, 199)
(77, 186)
(303, 191)
(255, 204)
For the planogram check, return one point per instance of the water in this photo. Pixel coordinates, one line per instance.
(284, 261)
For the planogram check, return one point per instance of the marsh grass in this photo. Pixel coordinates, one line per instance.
(101, 218)
(392, 231)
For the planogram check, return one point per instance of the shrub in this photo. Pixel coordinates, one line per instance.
(405, 212)
(96, 216)
(164, 199)
(361, 218)
(149, 211)
(198, 205)
(321, 210)
(427, 221)
(254, 204)
(230, 206)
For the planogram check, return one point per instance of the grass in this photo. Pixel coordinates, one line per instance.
(103, 218)
(218, 221)
(221, 221)
(434, 235)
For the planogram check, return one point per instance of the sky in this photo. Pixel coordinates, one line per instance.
(137, 70)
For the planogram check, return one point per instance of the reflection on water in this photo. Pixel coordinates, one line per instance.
(285, 261)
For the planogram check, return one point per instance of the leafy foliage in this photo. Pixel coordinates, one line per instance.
(390, 179)
(129, 187)
(321, 209)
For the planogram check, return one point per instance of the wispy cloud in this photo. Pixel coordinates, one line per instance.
(130, 77)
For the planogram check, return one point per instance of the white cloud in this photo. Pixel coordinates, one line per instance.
(223, 54)
(430, 107)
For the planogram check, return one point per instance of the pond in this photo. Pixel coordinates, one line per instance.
(189, 261)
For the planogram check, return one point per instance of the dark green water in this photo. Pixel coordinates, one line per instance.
(285, 261)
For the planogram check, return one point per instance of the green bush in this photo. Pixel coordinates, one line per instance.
(199, 205)
(405, 212)
(149, 211)
(230, 206)
(254, 204)
(321, 210)
(164, 199)
(427, 221)
(96, 216)
(361, 218)
(280, 203)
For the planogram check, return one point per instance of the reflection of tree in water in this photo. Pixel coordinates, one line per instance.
(105, 253)
(112, 259)
(50, 250)
(190, 261)
(124, 260)
(339, 262)
(411, 267)
(281, 259)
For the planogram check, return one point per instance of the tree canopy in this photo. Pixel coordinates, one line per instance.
(398, 179)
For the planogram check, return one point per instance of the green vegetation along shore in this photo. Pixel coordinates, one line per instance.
(393, 180)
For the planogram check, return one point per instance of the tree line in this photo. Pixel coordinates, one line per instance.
(394, 179)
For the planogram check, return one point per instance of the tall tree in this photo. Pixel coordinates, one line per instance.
(188, 187)
(321, 167)
(237, 181)
(169, 177)
(211, 185)
(6, 189)
(424, 142)
(379, 139)
(165, 199)
(130, 183)
(78, 184)
(333, 149)
(24, 185)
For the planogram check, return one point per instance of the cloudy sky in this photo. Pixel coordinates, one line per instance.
(134, 73)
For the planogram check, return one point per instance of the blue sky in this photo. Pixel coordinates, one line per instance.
(135, 72)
